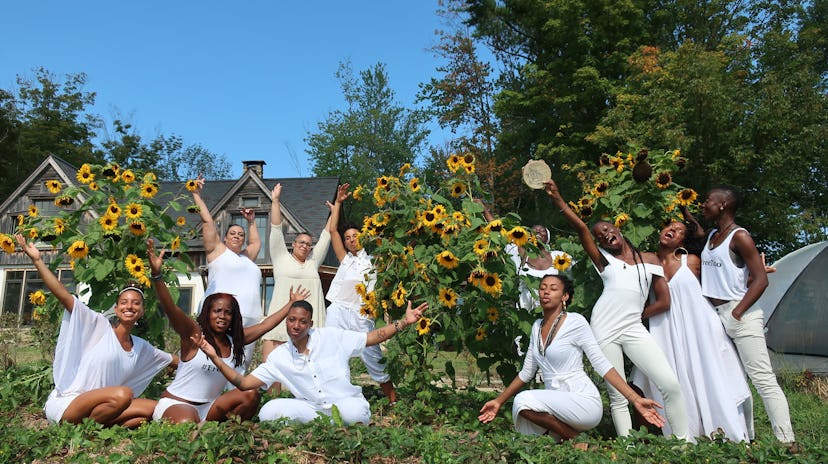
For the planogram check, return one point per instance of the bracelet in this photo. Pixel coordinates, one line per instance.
(157, 277)
(397, 325)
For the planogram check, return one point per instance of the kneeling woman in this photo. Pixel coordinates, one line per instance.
(570, 404)
(195, 395)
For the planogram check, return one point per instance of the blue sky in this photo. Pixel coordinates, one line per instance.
(244, 79)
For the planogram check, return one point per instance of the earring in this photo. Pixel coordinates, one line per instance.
(564, 304)
(721, 208)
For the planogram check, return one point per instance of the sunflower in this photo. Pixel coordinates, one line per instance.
(447, 297)
(382, 181)
(663, 180)
(378, 198)
(93, 186)
(138, 228)
(368, 311)
(63, 201)
(618, 163)
(138, 270)
(113, 210)
(687, 196)
(492, 284)
(468, 159)
(492, 314)
(585, 201)
(405, 168)
(476, 277)
(440, 210)
(78, 250)
(585, 212)
(181, 221)
(20, 220)
(108, 223)
(85, 175)
(134, 211)
(54, 186)
(448, 230)
(358, 193)
(111, 171)
(131, 261)
(621, 219)
(518, 235)
(429, 218)
(414, 185)
(562, 262)
(33, 211)
(193, 209)
(128, 176)
(457, 189)
(494, 226)
(176, 243)
(191, 185)
(480, 334)
(149, 190)
(380, 219)
(676, 153)
(150, 177)
(423, 326)
(60, 226)
(453, 162)
(399, 295)
(37, 298)
(361, 290)
(33, 233)
(469, 168)
(481, 246)
(447, 259)
(600, 189)
(6, 243)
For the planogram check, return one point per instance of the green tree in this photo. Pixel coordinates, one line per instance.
(50, 116)
(374, 136)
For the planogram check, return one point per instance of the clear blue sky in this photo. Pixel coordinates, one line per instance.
(244, 79)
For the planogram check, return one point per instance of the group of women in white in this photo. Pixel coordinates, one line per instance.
(690, 360)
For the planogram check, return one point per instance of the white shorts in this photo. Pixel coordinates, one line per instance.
(164, 403)
(56, 405)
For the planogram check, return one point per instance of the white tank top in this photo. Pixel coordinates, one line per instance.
(720, 277)
(199, 380)
(239, 276)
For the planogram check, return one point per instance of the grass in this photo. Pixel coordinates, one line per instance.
(435, 424)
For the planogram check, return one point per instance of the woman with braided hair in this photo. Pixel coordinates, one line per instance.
(629, 277)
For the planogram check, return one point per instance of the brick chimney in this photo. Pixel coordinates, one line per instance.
(256, 166)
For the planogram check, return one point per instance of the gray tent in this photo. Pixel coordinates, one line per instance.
(796, 310)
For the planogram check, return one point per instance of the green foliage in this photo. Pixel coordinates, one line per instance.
(108, 217)
(435, 246)
(374, 136)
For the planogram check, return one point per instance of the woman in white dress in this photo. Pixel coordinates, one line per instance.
(570, 403)
(716, 394)
(629, 277)
(100, 369)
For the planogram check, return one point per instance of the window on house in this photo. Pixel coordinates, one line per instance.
(185, 299)
(18, 286)
(250, 202)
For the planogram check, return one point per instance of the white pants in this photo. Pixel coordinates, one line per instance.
(644, 352)
(56, 405)
(349, 318)
(748, 335)
(352, 410)
(578, 410)
(163, 403)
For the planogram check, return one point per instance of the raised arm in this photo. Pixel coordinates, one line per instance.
(580, 227)
(487, 215)
(213, 245)
(333, 221)
(276, 206)
(688, 216)
(384, 333)
(242, 382)
(183, 324)
(254, 241)
(255, 331)
(744, 246)
(49, 278)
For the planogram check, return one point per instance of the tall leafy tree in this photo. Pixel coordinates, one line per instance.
(373, 136)
(50, 115)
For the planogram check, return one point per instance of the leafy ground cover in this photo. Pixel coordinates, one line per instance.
(437, 424)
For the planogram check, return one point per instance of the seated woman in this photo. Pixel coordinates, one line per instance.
(195, 395)
(570, 403)
(99, 369)
(313, 364)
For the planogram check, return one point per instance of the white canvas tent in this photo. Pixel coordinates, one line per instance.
(796, 310)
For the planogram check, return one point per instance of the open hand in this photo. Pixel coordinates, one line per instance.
(551, 189)
(414, 315)
(301, 293)
(277, 192)
(29, 248)
(155, 260)
(342, 193)
(647, 408)
(489, 411)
